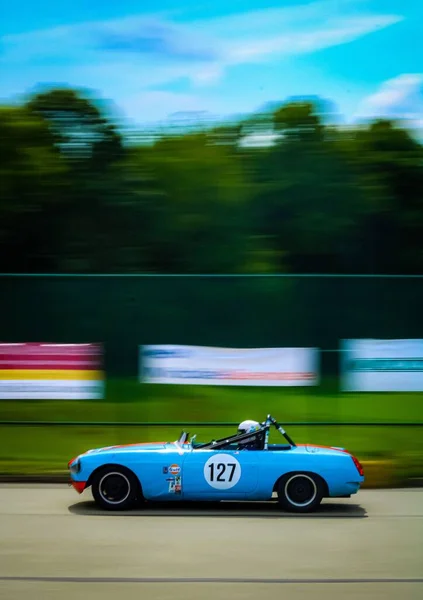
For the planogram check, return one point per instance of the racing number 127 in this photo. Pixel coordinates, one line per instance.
(221, 468)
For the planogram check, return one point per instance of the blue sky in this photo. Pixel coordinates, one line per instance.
(156, 58)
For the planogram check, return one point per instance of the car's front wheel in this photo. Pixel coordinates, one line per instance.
(300, 492)
(115, 488)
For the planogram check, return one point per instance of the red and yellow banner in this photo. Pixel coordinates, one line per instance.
(51, 371)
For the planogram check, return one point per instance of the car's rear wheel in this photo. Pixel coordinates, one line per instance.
(300, 492)
(115, 488)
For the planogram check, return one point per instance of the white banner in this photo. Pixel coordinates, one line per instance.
(382, 365)
(201, 365)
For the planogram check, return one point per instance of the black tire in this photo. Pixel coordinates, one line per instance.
(300, 492)
(115, 488)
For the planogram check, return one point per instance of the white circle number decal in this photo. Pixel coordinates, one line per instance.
(222, 471)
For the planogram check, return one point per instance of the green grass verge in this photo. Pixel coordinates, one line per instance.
(127, 400)
(46, 449)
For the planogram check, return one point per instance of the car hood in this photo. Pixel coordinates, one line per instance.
(144, 446)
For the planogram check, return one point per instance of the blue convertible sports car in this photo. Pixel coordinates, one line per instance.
(243, 466)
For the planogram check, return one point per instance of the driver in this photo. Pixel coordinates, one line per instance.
(254, 442)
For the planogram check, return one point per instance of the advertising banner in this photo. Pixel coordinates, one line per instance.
(201, 365)
(382, 365)
(51, 371)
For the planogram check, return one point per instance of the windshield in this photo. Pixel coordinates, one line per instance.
(257, 440)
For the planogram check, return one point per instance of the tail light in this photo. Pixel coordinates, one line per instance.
(358, 465)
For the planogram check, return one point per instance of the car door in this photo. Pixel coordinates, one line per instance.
(160, 472)
(216, 474)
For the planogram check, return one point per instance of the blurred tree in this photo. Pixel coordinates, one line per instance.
(33, 185)
(308, 203)
(118, 232)
(322, 198)
(299, 121)
(202, 221)
(389, 164)
(94, 222)
(79, 127)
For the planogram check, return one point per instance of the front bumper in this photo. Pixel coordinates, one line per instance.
(79, 486)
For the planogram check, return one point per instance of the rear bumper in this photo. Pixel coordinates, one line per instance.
(338, 489)
(350, 488)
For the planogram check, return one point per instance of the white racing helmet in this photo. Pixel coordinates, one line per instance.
(248, 426)
(252, 427)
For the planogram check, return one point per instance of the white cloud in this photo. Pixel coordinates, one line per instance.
(202, 50)
(333, 33)
(398, 98)
(125, 59)
(269, 20)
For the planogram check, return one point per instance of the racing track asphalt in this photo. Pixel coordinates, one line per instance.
(55, 545)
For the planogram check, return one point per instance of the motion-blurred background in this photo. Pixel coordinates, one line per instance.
(244, 175)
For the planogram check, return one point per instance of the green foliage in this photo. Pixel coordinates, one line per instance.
(78, 127)
(202, 226)
(33, 184)
(299, 121)
(30, 167)
(76, 198)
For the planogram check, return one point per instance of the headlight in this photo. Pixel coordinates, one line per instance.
(75, 467)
